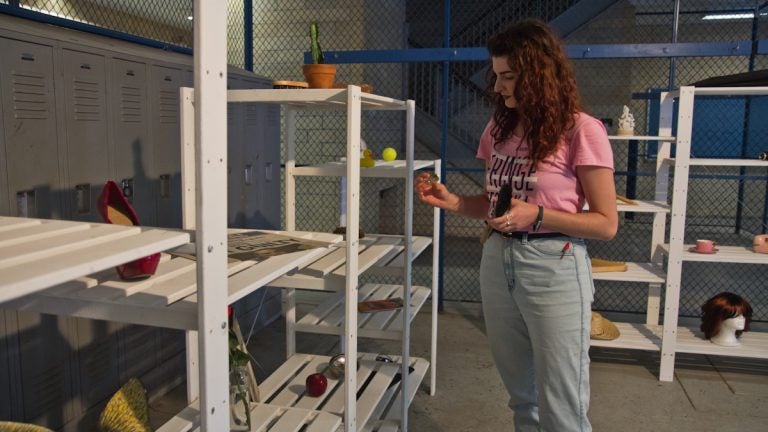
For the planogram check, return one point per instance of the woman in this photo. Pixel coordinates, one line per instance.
(535, 274)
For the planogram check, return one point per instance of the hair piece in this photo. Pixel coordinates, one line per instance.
(721, 307)
(546, 90)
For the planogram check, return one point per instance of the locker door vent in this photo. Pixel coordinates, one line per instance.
(169, 106)
(88, 100)
(29, 95)
(130, 104)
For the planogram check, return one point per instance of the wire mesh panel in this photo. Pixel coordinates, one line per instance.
(727, 205)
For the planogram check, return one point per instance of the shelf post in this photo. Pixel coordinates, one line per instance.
(354, 112)
(210, 125)
(677, 233)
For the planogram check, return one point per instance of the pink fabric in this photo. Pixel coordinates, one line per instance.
(553, 183)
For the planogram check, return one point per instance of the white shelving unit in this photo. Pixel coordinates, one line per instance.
(378, 395)
(668, 338)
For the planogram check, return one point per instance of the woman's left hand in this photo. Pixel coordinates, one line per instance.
(520, 216)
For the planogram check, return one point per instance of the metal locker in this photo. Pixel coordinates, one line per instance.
(85, 130)
(45, 358)
(239, 171)
(97, 355)
(4, 194)
(269, 186)
(132, 152)
(31, 152)
(6, 389)
(164, 83)
(138, 348)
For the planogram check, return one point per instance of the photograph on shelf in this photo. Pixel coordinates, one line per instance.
(256, 246)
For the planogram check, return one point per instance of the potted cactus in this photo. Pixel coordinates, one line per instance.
(318, 74)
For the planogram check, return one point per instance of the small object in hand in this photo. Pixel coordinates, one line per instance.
(316, 384)
(432, 178)
(389, 154)
(503, 201)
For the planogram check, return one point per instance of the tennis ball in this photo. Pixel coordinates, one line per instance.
(389, 154)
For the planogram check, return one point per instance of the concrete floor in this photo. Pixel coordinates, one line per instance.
(708, 393)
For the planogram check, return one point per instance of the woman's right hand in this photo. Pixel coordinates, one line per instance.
(435, 193)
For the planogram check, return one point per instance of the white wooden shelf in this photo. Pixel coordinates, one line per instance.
(328, 272)
(641, 138)
(328, 317)
(752, 344)
(636, 272)
(382, 169)
(167, 299)
(378, 395)
(689, 340)
(633, 336)
(36, 253)
(640, 206)
(722, 162)
(724, 254)
(314, 99)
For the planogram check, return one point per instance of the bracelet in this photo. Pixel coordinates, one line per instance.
(539, 218)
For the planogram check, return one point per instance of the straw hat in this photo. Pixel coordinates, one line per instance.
(602, 329)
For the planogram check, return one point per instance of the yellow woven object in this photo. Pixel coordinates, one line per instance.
(6, 426)
(127, 411)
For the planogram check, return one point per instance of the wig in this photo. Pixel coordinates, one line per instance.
(545, 91)
(721, 307)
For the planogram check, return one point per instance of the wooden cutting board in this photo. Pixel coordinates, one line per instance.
(600, 265)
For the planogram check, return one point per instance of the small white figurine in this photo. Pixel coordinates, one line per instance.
(626, 122)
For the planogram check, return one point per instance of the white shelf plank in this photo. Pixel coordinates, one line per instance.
(382, 169)
(724, 254)
(636, 272)
(328, 272)
(633, 336)
(264, 417)
(379, 380)
(753, 344)
(728, 162)
(167, 299)
(333, 99)
(641, 138)
(47, 260)
(641, 206)
(328, 317)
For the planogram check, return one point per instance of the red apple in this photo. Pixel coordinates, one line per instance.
(316, 384)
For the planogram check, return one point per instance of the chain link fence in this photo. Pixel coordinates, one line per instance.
(727, 205)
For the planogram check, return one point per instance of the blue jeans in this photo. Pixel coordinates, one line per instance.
(536, 301)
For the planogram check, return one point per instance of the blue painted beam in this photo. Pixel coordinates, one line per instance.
(691, 49)
(597, 51)
(414, 55)
(10, 9)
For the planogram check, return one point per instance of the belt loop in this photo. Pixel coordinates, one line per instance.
(524, 239)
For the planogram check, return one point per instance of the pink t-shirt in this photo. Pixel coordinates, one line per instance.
(553, 183)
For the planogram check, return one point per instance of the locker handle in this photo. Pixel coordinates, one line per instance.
(83, 198)
(25, 203)
(248, 174)
(130, 73)
(27, 57)
(268, 171)
(85, 66)
(165, 186)
(168, 78)
(127, 186)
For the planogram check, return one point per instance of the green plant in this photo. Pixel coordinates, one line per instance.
(238, 362)
(317, 52)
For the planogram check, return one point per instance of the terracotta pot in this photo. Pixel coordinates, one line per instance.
(319, 75)
(760, 243)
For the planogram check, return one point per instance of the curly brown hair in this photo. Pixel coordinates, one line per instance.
(546, 91)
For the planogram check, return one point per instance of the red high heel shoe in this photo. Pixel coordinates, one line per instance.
(115, 209)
